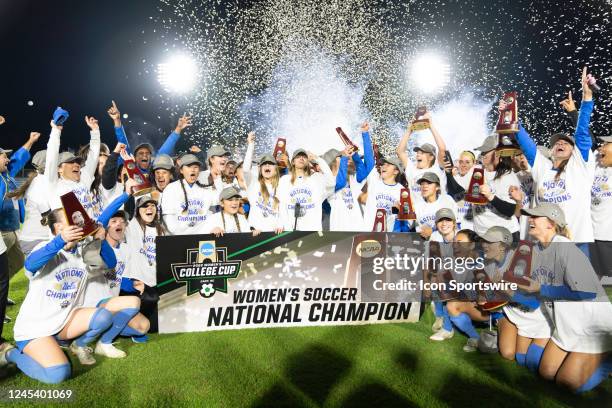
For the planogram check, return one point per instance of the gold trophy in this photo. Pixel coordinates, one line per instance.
(346, 140)
(473, 195)
(419, 123)
(406, 211)
(144, 185)
(520, 266)
(76, 214)
(280, 150)
(380, 221)
(507, 127)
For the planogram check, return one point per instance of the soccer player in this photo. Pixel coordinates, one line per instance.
(578, 354)
(52, 309)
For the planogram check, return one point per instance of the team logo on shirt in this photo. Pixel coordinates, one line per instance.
(206, 270)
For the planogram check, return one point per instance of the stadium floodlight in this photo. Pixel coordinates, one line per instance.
(179, 74)
(430, 73)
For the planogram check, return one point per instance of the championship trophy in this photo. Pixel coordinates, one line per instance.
(346, 140)
(419, 123)
(488, 299)
(520, 266)
(380, 221)
(280, 150)
(406, 211)
(76, 214)
(144, 185)
(507, 127)
(473, 195)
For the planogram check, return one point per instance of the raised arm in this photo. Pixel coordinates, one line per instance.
(21, 157)
(341, 177)
(438, 139)
(91, 165)
(247, 163)
(168, 146)
(52, 160)
(363, 169)
(115, 115)
(401, 147)
(39, 258)
(582, 136)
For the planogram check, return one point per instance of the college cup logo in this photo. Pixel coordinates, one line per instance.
(206, 270)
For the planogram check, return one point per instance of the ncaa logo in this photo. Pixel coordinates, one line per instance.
(207, 249)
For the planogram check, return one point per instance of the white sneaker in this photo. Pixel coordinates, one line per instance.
(84, 354)
(437, 326)
(442, 335)
(471, 345)
(108, 350)
(4, 348)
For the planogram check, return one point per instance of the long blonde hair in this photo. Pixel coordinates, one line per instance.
(307, 170)
(265, 194)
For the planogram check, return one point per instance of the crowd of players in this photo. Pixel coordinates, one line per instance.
(95, 289)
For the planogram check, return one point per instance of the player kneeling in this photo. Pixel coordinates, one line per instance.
(52, 309)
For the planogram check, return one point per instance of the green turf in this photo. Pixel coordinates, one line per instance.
(371, 366)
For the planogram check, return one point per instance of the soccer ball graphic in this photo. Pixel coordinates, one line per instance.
(207, 290)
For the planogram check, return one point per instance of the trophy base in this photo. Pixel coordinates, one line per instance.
(478, 200)
(411, 216)
(488, 306)
(89, 231)
(421, 124)
(143, 191)
(509, 151)
(505, 129)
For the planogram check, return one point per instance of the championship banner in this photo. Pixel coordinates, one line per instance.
(278, 280)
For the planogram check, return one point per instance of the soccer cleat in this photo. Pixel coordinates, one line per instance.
(471, 345)
(4, 348)
(437, 325)
(140, 339)
(84, 354)
(108, 350)
(442, 335)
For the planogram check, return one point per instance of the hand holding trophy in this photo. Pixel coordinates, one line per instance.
(143, 185)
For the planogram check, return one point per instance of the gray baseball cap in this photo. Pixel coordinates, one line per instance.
(145, 199)
(147, 146)
(394, 161)
(297, 152)
(39, 159)
(605, 139)
(548, 210)
(217, 150)
(490, 143)
(267, 158)
(429, 176)
(69, 157)
(229, 192)
(5, 151)
(498, 234)
(330, 156)
(162, 161)
(447, 213)
(565, 136)
(426, 148)
(189, 159)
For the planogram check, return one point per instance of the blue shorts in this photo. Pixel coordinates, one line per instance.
(23, 343)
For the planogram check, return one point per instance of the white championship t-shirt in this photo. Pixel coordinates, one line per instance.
(601, 204)
(486, 216)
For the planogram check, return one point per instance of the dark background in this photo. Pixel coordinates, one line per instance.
(80, 55)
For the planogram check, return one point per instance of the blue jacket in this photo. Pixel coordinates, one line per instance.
(10, 217)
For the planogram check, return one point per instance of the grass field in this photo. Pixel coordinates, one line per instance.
(362, 366)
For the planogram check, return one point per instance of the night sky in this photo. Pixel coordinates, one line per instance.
(81, 55)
